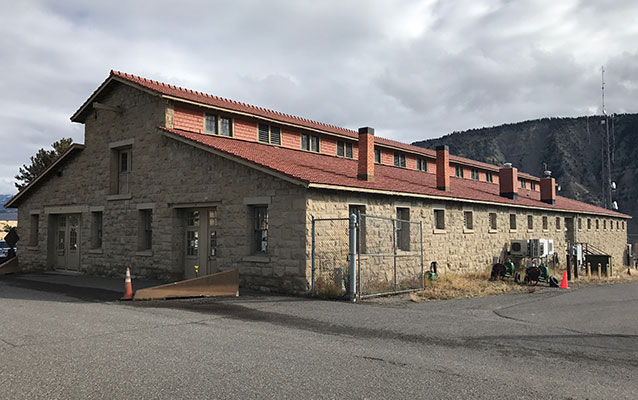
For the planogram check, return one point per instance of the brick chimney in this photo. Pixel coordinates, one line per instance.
(443, 168)
(508, 181)
(366, 154)
(548, 188)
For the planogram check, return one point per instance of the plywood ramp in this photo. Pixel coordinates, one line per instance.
(9, 267)
(220, 284)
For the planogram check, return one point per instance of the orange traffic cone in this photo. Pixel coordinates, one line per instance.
(128, 289)
(563, 283)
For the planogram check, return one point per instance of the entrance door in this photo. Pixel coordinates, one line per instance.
(201, 242)
(570, 233)
(67, 241)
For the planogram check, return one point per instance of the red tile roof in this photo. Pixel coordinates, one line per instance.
(215, 101)
(312, 168)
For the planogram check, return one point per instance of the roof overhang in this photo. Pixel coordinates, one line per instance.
(73, 148)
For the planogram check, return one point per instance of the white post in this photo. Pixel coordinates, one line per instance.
(353, 255)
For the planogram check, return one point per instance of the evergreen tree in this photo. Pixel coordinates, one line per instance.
(42, 159)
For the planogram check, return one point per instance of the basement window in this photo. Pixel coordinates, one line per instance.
(421, 165)
(377, 156)
(269, 134)
(458, 171)
(218, 125)
(399, 160)
(344, 149)
(475, 174)
(489, 177)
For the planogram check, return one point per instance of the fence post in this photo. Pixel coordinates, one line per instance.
(312, 257)
(422, 269)
(394, 251)
(353, 252)
(359, 247)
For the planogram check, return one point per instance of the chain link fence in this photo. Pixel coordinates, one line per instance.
(387, 258)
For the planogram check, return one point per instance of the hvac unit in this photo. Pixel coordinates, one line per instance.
(550, 246)
(539, 248)
(519, 248)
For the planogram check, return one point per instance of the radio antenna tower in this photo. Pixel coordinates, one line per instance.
(605, 173)
(602, 72)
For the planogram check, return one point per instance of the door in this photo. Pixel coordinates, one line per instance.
(570, 233)
(201, 242)
(67, 242)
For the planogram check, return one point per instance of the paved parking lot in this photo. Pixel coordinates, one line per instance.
(65, 337)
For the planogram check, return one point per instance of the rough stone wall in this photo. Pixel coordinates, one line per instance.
(455, 248)
(612, 241)
(164, 173)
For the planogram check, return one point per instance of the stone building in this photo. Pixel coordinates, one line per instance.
(169, 179)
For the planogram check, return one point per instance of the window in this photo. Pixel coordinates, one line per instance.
(545, 223)
(124, 170)
(260, 229)
(623, 225)
(557, 223)
(580, 223)
(35, 230)
(588, 223)
(212, 231)
(344, 149)
(488, 177)
(403, 228)
(269, 134)
(377, 156)
(357, 210)
(513, 222)
(475, 174)
(439, 219)
(421, 165)
(532, 185)
(218, 125)
(611, 225)
(523, 184)
(604, 224)
(458, 171)
(597, 224)
(399, 160)
(468, 220)
(493, 221)
(618, 224)
(145, 230)
(310, 143)
(192, 233)
(96, 230)
(530, 222)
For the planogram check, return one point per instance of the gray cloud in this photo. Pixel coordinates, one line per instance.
(414, 71)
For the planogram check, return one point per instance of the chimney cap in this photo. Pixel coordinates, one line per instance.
(366, 130)
(547, 173)
(443, 147)
(507, 165)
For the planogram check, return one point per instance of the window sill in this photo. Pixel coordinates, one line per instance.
(96, 251)
(492, 231)
(513, 230)
(122, 196)
(530, 230)
(33, 248)
(465, 230)
(259, 258)
(144, 253)
(439, 231)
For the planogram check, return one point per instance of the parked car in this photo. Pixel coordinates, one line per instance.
(4, 250)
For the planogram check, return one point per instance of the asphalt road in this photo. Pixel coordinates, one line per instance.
(61, 342)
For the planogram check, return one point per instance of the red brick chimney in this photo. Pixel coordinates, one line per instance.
(548, 188)
(507, 181)
(366, 154)
(443, 168)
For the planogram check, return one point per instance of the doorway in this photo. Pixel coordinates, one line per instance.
(200, 235)
(570, 232)
(67, 242)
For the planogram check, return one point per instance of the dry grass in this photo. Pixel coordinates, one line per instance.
(452, 286)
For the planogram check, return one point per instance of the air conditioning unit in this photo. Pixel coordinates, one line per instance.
(519, 248)
(550, 246)
(540, 248)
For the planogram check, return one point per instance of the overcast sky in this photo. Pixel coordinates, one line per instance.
(410, 69)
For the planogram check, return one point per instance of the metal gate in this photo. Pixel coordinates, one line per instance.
(385, 256)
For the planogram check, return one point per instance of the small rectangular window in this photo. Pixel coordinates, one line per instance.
(513, 222)
(439, 219)
(124, 170)
(225, 127)
(604, 224)
(493, 225)
(403, 228)
(34, 234)
(145, 230)
(314, 144)
(310, 143)
(377, 156)
(421, 165)
(468, 220)
(532, 185)
(260, 229)
(275, 135)
(475, 174)
(618, 224)
(588, 223)
(305, 142)
(211, 124)
(458, 171)
(269, 134)
(344, 149)
(212, 231)
(530, 222)
(545, 223)
(488, 177)
(399, 160)
(96, 230)
(557, 223)
(523, 184)
(217, 125)
(597, 224)
(580, 223)
(264, 133)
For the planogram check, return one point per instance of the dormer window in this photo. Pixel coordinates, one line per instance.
(532, 185)
(399, 160)
(269, 134)
(310, 143)
(421, 165)
(377, 156)
(217, 125)
(523, 186)
(458, 171)
(475, 174)
(344, 149)
(488, 177)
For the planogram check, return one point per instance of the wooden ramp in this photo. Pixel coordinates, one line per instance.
(9, 267)
(220, 284)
